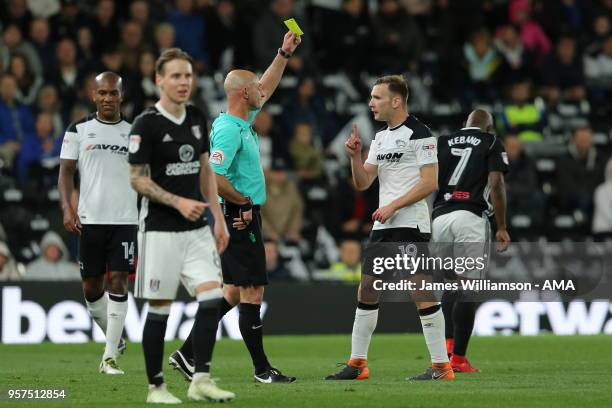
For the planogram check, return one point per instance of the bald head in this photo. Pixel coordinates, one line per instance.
(109, 78)
(243, 88)
(237, 80)
(480, 118)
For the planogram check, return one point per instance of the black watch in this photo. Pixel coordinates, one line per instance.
(284, 53)
(248, 206)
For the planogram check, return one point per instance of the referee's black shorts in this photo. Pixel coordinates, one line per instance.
(244, 261)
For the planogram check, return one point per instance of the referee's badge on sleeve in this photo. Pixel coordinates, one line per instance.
(196, 131)
(134, 144)
(217, 157)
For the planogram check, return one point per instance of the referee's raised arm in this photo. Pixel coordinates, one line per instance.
(271, 78)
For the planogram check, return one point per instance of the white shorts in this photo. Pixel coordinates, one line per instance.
(167, 258)
(464, 234)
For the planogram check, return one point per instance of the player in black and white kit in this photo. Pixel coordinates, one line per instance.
(106, 217)
(169, 149)
(403, 157)
(471, 187)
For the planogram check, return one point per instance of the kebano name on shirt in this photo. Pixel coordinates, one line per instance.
(473, 140)
(123, 150)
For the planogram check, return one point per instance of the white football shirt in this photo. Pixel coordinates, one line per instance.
(400, 153)
(101, 151)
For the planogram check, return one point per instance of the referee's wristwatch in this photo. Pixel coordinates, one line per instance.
(284, 53)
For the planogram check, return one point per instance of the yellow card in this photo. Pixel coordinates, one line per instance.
(293, 26)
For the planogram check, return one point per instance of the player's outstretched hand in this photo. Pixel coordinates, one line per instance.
(191, 209)
(503, 240)
(383, 214)
(246, 217)
(290, 42)
(353, 143)
(72, 222)
(221, 236)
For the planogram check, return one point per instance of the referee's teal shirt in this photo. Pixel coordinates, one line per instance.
(234, 153)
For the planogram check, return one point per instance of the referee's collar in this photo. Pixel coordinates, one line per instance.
(235, 119)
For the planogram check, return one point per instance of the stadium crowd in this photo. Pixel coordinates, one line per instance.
(544, 67)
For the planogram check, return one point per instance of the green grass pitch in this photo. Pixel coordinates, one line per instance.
(543, 371)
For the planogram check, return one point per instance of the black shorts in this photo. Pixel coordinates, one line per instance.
(244, 261)
(398, 235)
(105, 248)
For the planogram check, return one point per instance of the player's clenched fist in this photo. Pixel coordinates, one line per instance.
(191, 209)
(353, 143)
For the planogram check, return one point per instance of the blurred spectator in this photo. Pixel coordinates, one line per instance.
(165, 37)
(354, 209)
(13, 43)
(561, 16)
(602, 216)
(268, 31)
(598, 71)
(522, 116)
(516, 60)
(307, 106)
(274, 264)
(48, 101)
(28, 83)
(263, 125)
(44, 8)
(221, 25)
(69, 19)
(86, 90)
(523, 193)
(398, 39)
(44, 144)
(143, 90)
(562, 74)
(66, 75)
(482, 62)
(16, 12)
(189, 29)
(53, 264)
(112, 60)
(600, 30)
(40, 37)
(348, 268)
(16, 120)
(78, 112)
(533, 36)
(345, 39)
(104, 26)
(580, 172)
(140, 14)
(307, 159)
(85, 51)
(282, 214)
(131, 46)
(9, 270)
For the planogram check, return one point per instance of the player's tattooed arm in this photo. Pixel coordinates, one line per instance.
(140, 179)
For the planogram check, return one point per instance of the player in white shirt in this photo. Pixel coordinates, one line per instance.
(403, 156)
(107, 216)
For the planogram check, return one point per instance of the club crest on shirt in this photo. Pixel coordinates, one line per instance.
(134, 144)
(154, 285)
(400, 143)
(217, 158)
(505, 158)
(186, 153)
(196, 131)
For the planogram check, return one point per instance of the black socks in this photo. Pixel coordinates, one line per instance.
(153, 346)
(252, 334)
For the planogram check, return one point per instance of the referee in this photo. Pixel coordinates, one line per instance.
(235, 160)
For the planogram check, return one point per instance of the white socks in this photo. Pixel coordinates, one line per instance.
(363, 327)
(98, 311)
(117, 310)
(433, 330)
